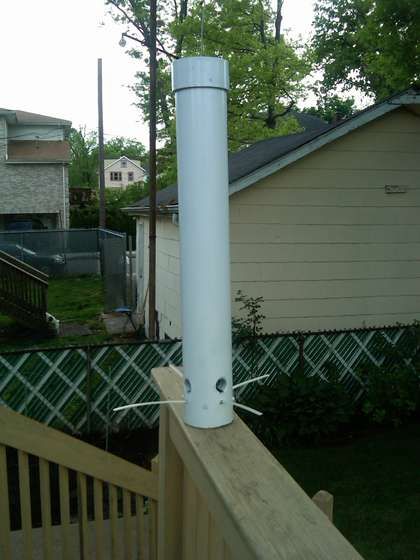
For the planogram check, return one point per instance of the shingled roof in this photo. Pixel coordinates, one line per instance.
(247, 160)
(23, 117)
(267, 156)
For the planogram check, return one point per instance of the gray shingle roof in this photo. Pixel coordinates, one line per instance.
(23, 117)
(261, 153)
(248, 160)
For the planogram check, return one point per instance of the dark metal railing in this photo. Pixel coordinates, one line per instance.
(23, 291)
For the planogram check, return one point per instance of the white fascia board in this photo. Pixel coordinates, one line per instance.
(320, 141)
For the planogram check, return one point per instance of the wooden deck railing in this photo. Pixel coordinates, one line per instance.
(222, 496)
(92, 504)
(23, 291)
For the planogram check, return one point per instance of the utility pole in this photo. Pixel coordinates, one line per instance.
(152, 171)
(102, 213)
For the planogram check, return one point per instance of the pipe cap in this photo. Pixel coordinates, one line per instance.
(200, 72)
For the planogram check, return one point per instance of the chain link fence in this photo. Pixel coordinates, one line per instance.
(75, 252)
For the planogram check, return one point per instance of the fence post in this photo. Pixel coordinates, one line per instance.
(88, 389)
(325, 501)
(171, 472)
(301, 349)
(130, 273)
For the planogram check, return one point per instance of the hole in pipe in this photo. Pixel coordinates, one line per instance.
(187, 384)
(221, 384)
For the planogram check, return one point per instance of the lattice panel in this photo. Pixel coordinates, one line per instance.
(75, 389)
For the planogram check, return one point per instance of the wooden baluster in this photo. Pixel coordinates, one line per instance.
(202, 522)
(83, 516)
(216, 546)
(99, 518)
(189, 527)
(325, 501)
(5, 549)
(127, 525)
(140, 528)
(25, 504)
(153, 513)
(113, 513)
(64, 511)
(44, 477)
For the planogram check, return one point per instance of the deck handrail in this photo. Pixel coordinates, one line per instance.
(23, 291)
(21, 265)
(222, 490)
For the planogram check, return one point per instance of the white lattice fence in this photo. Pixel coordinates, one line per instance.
(75, 389)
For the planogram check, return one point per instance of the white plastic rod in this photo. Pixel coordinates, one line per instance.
(200, 85)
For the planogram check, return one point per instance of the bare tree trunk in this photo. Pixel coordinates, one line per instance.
(279, 19)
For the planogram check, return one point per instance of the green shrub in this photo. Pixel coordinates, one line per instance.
(392, 393)
(299, 408)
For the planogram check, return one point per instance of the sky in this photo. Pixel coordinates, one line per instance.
(49, 58)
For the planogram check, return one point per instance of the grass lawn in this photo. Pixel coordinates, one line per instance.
(72, 300)
(375, 481)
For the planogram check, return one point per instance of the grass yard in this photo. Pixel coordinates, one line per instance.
(375, 481)
(72, 300)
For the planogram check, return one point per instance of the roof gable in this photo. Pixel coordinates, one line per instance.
(266, 157)
(24, 117)
(111, 162)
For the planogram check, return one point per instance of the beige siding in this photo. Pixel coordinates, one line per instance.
(322, 242)
(167, 275)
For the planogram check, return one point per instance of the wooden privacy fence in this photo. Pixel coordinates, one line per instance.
(62, 498)
(223, 496)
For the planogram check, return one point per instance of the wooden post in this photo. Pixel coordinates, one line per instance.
(130, 273)
(301, 346)
(102, 211)
(88, 389)
(170, 493)
(325, 501)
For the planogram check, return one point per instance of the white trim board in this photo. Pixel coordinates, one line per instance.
(114, 161)
(320, 141)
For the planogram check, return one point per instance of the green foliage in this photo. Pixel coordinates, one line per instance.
(250, 324)
(300, 408)
(266, 70)
(332, 109)
(392, 394)
(372, 45)
(83, 168)
(392, 390)
(116, 219)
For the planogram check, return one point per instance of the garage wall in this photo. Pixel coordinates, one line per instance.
(323, 240)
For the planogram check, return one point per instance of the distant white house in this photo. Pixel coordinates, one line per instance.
(122, 172)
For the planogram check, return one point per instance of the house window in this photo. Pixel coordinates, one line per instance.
(116, 175)
(123, 163)
(131, 176)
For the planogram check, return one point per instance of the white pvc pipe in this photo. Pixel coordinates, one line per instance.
(200, 85)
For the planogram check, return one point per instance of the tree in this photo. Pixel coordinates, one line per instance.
(83, 168)
(120, 146)
(116, 219)
(372, 45)
(266, 71)
(333, 109)
(83, 162)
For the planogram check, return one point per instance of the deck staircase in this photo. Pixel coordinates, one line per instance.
(23, 293)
